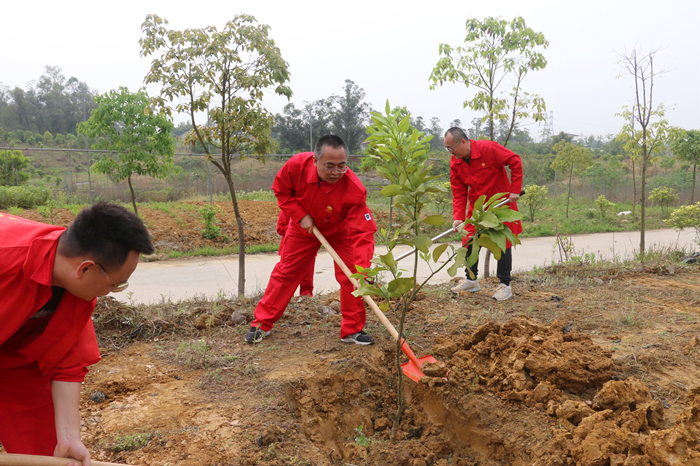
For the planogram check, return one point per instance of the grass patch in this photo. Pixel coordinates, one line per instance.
(212, 251)
(130, 442)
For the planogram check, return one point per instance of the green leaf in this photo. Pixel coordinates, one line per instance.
(485, 241)
(479, 204)
(400, 286)
(436, 220)
(474, 256)
(422, 242)
(458, 263)
(499, 238)
(437, 252)
(489, 220)
(508, 215)
(391, 190)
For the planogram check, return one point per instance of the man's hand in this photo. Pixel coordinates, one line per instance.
(75, 450)
(307, 223)
(514, 197)
(66, 406)
(456, 224)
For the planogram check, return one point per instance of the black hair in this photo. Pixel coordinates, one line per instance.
(329, 140)
(105, 233)
(456, 133)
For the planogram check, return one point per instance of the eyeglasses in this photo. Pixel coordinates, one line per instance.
(339, 170)
(450, 149)
(117, 288)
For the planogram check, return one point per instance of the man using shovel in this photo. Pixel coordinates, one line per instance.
(478, 168)
(49, 279)
(318, 189)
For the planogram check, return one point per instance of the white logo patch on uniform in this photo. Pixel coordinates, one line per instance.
(368, 217)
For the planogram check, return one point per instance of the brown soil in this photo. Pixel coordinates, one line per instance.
(583, 366)
(179, 227)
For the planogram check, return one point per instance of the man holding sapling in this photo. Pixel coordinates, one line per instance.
(318, 189)
(478, 168)
(49, 279)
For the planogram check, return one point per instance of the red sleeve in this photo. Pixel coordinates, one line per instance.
(282, 222)
(284, 189)
(85, 352)
(460, 192)
(361, 228)
(512, 160)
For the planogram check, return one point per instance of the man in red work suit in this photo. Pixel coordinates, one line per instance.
(306, 287)
(478, 168)
(49, 279)
(317, 189)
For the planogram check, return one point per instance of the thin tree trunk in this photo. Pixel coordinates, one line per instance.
(241, 236)
(133, 195)
(634, 193)
(568, 196)
(642, 199)
(692, 192)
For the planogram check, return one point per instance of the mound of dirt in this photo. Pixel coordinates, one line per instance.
(524, 359)
(622, 429)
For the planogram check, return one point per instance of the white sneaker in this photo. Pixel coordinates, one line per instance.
(503, 292)
(467, 285)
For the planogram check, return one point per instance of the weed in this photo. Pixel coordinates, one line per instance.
(361, 440)
(130, 442)
(196, 353)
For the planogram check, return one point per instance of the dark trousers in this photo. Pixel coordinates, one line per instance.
(505, 265)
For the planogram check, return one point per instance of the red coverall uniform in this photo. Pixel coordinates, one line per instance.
(306, 287)
(485, 174)
(33, 352)
(340, 213)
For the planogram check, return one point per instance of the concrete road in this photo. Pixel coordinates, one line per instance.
(208, 277)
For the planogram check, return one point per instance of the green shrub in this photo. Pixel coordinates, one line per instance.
(664, 197)
(25, 197)
(687, 216)
(603, 204)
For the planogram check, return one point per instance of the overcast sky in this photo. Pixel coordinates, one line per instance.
(387, 48)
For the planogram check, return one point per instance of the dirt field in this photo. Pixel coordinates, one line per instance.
(178, 227)
(581, 367)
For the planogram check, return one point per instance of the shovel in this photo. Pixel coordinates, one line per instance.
(11, 459)
(448, 232)
(412, 368)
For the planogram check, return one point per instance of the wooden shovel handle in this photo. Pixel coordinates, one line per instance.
(12, 459)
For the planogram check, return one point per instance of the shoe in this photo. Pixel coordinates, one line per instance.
(255, 335)
(359, 338)
(467, 285)
(503, 292)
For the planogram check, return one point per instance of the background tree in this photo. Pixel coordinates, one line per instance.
(571, 157)
(292, 130)
(53, 103)
(652, 130)
(141, 139)
(350, 116)
(497, 50)
(664, 197)
(534, 198)
(685, 144)
(228, 73)
(12, 164)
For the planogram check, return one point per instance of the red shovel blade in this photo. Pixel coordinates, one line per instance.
(414, 372)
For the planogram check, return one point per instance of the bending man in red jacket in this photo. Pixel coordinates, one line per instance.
(306, 287)
(478, 168)
(49, 279)
(317, 189)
